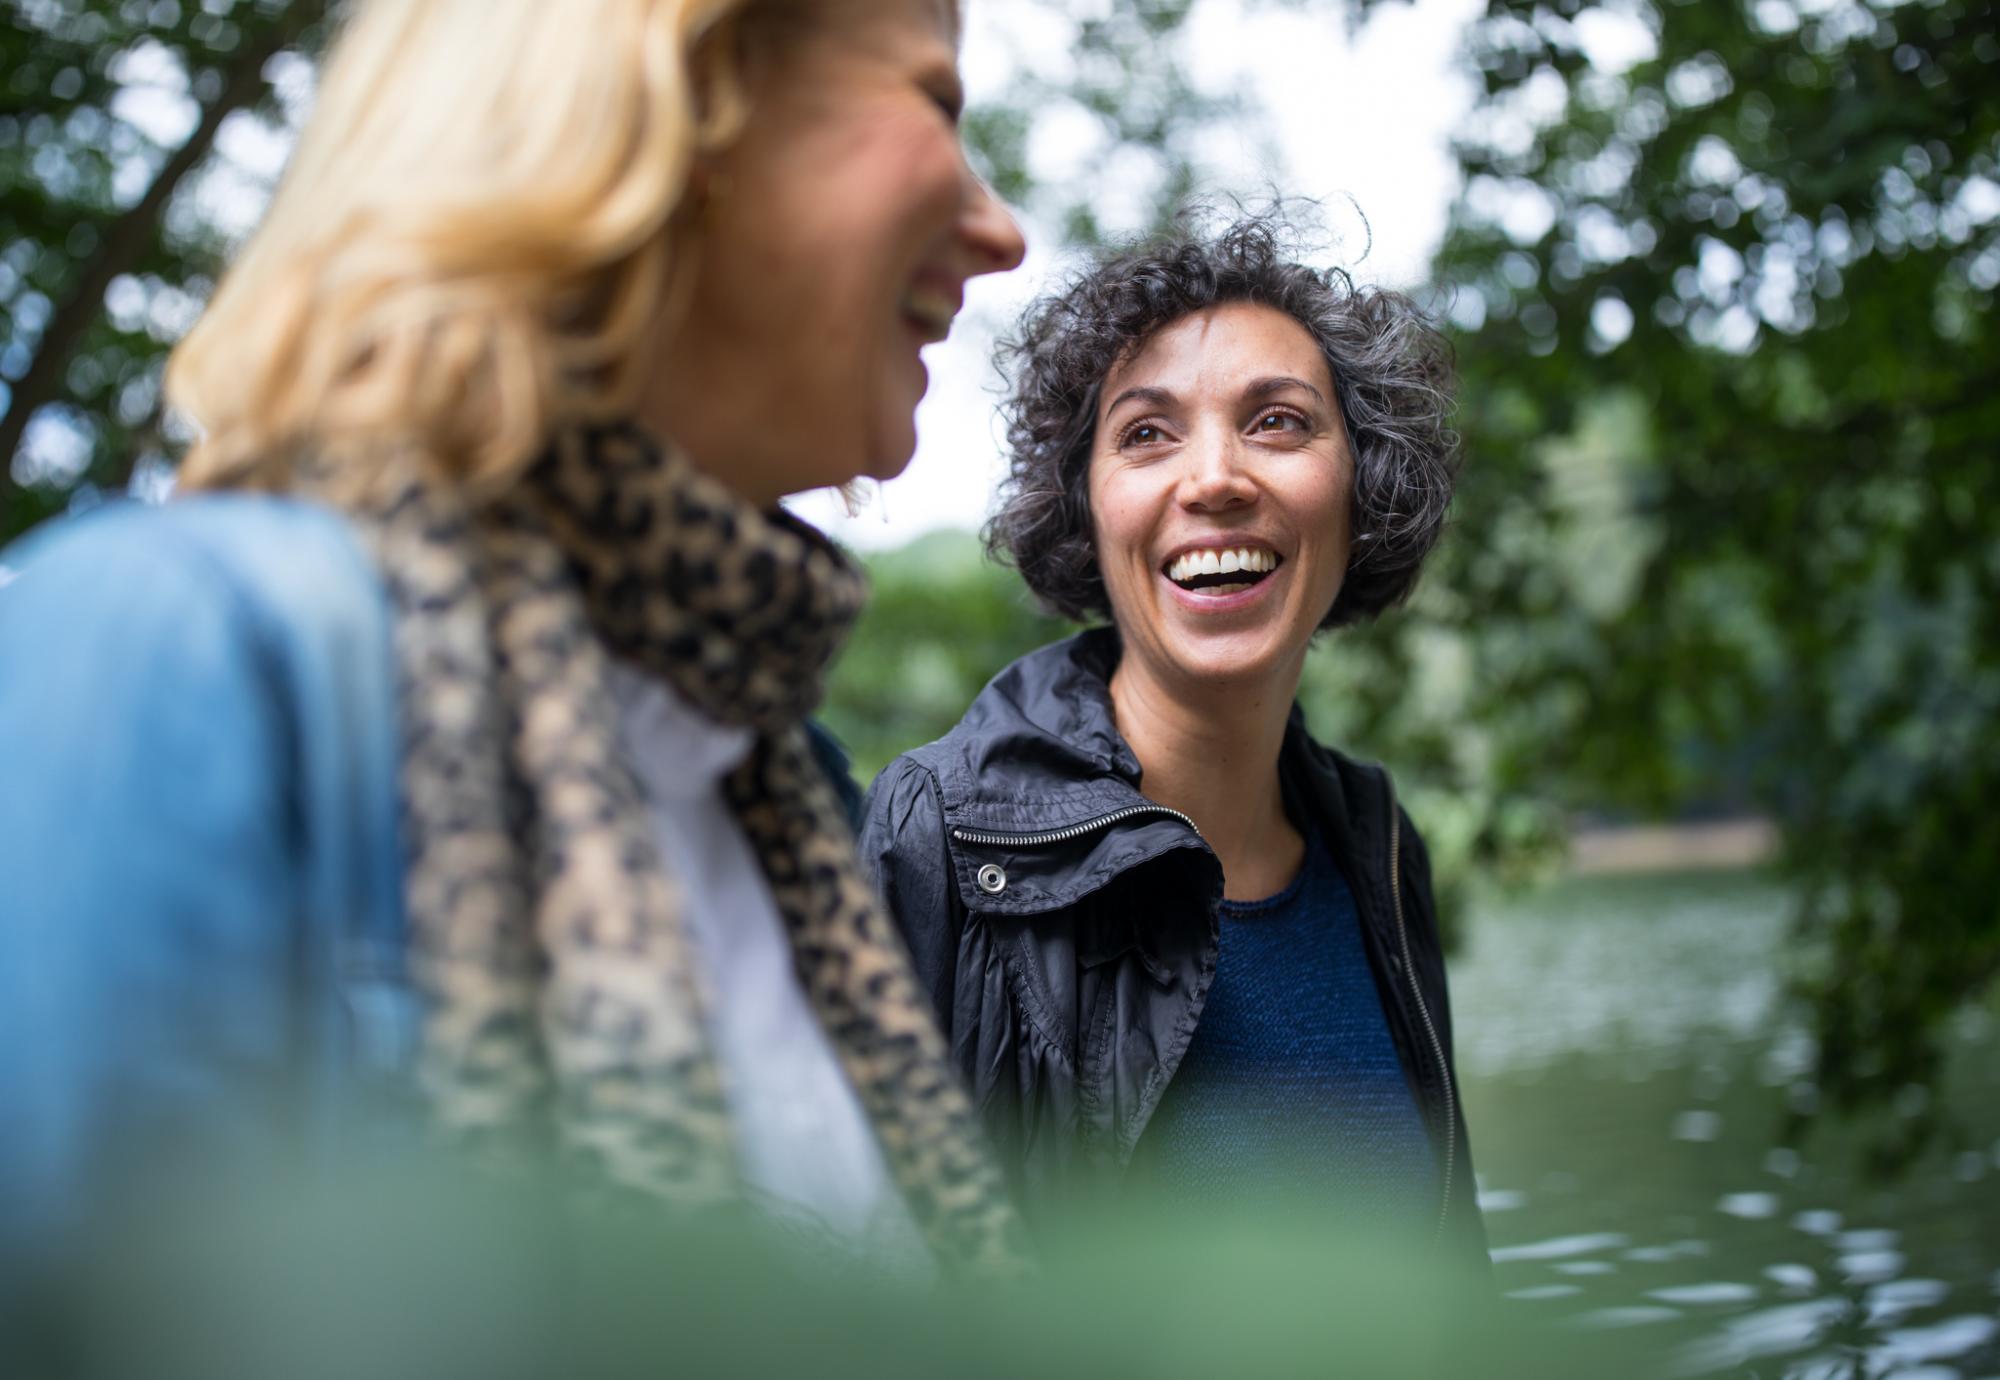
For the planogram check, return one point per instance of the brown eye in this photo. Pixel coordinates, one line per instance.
(1142, 435)
(1276, 421)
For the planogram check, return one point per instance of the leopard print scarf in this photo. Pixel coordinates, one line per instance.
(545, 931)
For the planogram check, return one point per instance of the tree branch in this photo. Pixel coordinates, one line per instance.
(127, 238)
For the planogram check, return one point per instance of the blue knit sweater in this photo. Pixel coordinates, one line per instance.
(1292, 1081)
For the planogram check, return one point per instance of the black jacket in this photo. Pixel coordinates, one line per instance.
(1066, 925)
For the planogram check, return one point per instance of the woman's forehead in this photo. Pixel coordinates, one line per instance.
(1221, 346)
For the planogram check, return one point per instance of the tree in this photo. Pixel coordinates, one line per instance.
(1126, 104)
(88, 204)
(1729, 333)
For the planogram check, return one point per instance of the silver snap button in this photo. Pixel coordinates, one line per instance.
(992, 880)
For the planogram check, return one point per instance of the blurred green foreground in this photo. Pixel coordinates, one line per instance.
(1625, 1059)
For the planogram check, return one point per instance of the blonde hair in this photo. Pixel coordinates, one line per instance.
(474, 238)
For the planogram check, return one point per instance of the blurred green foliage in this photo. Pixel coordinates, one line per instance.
(940, 621)
(1730, 365)
(421, 1270)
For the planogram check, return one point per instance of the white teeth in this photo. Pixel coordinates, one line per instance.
(1254, 560)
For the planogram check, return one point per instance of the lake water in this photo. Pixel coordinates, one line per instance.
(1628, 1059)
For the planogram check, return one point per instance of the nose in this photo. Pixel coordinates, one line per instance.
(988, 229)
(1212, 478)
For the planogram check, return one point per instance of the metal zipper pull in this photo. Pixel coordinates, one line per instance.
(1073, 831)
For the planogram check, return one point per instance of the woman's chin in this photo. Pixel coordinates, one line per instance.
(878, 467)
(887, 468)
(1248, 657)
(894, 447)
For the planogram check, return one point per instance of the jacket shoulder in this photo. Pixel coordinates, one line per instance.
(197, 819)
(903, 798)
(903, 847)
(242, 557)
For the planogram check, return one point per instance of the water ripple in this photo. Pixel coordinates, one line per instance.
(1818, 1222)
(1940, 1342)
(1559, 1246)
(1751, 1207)
(1631, 1315)
(1870, 1267)
(1792, 1278)
(1775, 1331)
(1699, 1125)
(1695, 1294)
(1889, 1301)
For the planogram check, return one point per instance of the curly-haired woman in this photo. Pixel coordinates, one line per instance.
(467, 754)
(1172, 938)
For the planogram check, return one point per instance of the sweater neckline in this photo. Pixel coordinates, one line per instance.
(1249, 910)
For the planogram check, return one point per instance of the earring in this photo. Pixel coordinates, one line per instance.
(708, 187)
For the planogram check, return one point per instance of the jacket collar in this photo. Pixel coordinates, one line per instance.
(1040, 748)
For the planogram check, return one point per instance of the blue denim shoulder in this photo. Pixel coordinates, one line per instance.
(202, 944)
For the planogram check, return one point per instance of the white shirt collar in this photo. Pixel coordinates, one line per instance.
(680, 752)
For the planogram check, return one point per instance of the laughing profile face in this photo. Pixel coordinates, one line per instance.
(1220, 487)
(837, 237)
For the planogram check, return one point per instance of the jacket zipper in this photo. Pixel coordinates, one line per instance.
(1074, 831)
(1430, 1029)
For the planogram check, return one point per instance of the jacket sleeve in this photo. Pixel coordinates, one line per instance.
(903, 844)
(147, 868)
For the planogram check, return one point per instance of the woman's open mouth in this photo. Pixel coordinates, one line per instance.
(1220, 571)
(928, 309)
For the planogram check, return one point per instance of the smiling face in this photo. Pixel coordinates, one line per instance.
(1220, 483)
(834, 241)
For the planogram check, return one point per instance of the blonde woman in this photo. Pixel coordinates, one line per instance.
(467, 751)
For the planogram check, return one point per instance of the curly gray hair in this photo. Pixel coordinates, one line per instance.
(1390, 365)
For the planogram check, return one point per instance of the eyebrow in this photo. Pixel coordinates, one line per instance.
(1155, 397)
(1278, 383)
(1256, 388)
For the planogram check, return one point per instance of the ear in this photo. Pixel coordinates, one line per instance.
(720, 79)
